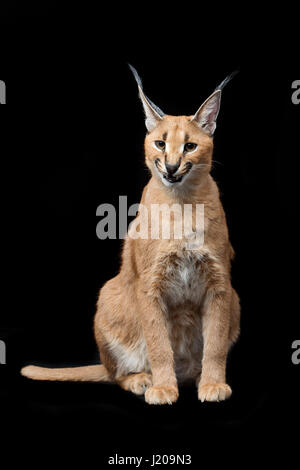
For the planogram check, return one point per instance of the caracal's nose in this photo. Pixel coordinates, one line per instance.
(171, 169)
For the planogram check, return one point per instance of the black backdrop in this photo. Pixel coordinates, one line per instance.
(71, 139)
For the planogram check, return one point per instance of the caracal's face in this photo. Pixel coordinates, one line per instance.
(178, 151)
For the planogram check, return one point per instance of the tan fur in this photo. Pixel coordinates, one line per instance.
(170, 314)
(96, 373)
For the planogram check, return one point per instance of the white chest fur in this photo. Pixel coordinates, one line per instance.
(184, 279)
(183, 291)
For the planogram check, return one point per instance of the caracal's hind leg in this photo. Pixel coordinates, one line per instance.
(135, 383)
(106, 357)
(120, 339)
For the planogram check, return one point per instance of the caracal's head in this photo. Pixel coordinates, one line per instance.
(178, 149)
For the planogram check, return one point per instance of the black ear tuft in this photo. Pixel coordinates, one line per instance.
(226, 80)
(136, 76)
(140, 85)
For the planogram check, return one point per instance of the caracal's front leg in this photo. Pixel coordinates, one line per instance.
(164, 389)
(215, 328)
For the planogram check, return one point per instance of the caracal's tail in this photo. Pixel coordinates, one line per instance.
(96, 373)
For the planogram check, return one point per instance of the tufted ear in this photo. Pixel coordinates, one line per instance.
(207, 114)
(153, 113)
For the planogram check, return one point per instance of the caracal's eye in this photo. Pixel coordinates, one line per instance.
(189, 147)
(160, 144)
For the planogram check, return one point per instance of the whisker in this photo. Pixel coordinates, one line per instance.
(216, 161)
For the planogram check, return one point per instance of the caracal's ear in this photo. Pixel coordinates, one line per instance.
(207, 114)
(153, 113)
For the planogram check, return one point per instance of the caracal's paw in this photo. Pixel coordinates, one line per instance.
(214, 392)
(137, 383)
(161, 395)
